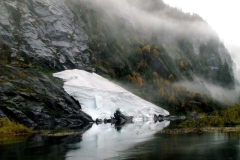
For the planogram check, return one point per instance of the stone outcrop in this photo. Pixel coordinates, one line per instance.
(47, 31)
(33, 98)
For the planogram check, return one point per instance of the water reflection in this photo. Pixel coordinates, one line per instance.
(39, 148)
(206, 146)
(130, 142)
(106, 140)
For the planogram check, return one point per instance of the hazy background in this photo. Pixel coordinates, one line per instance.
(222, 15)
(135, 21)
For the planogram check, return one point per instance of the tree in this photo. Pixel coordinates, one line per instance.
(170, 77)
(155, 52)
(161, 91)
(139, 51)
(155, 75)
(147, 48)
(181, 64)
(172, 98)
(140, 81)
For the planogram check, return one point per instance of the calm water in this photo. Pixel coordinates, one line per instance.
(133, 141)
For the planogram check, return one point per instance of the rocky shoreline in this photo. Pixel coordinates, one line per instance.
(200, 130)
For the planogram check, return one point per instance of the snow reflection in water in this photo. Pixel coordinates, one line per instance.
(105, 141)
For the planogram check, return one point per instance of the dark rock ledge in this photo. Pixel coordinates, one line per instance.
(38, 100)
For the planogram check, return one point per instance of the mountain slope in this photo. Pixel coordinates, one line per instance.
(152, 46)
(146, 45)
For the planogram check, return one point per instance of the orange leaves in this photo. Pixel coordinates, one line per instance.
(140, 81)
(147, 48)
(161, 91)
(172, 98)
(138, 51)
(142, 64)
(171, 77)
(135, 78)
(155, 75)
(131, 79)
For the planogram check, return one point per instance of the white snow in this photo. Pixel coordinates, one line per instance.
(100, 98)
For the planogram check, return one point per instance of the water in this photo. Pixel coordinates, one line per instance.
(129, 142)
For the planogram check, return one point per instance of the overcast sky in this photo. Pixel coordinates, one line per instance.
(222, 15)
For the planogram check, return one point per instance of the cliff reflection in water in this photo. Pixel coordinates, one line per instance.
(102, 141)
(129, 142)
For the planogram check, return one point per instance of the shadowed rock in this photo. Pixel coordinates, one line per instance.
(120, 118)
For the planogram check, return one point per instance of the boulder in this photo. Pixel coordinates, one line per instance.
(120, 118)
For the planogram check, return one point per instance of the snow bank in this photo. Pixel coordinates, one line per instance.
(100, 97)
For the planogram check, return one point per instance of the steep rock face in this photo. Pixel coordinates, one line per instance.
(34, 98)
(206, 59)
(37, 37)
(47, 31)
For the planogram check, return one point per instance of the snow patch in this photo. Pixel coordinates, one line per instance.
(100, 98)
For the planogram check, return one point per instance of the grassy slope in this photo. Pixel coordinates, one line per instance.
(11, 128)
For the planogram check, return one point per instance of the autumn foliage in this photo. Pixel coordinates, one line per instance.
(147, 48)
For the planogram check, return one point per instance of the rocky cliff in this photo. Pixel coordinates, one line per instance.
(37, 38)
(47, 31)
(32, 96)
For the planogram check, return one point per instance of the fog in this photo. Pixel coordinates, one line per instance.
(218, 93)
(148, 18)
(234, 51)
(221, 15)
(152, 18)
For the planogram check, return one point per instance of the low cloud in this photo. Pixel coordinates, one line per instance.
(218, 93)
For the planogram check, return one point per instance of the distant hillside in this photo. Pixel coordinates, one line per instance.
(150, 46)
(146, 37)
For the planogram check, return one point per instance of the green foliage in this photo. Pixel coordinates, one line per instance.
(43, 70)
(28, 89)
(11, 128)
(229, 116)
(210, 121)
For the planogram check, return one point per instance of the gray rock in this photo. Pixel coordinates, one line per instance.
(38, 100)
(47, 31)
(2, 115)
